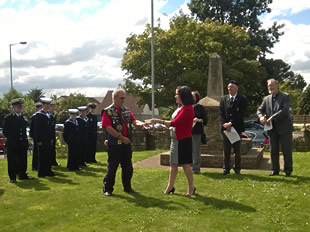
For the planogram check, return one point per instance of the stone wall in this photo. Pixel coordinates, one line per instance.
(302, 144)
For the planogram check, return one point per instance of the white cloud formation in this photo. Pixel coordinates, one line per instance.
(78, 43)
(294, 45)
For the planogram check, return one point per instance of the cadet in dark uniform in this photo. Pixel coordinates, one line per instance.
(83, 134)
(118, 122)
(92, 133)
(52, 108)
(44, 139)
(71, 138)
(14, 129)
(35, 158)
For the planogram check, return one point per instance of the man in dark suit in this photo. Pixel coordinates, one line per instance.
(82, 135)
(92, 133)
(275, 110)
(52, 108)
(232, 109)
(44, 139)
(14, 129)
(35, 158)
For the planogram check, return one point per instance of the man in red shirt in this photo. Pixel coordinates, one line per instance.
(118, 121)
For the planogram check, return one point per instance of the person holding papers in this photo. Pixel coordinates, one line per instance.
(232, 109)
(274, 113)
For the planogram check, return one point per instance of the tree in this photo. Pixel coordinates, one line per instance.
(5, 104)
(240, 13)
(294, 95)
(73, 101)
(35, 94)
(182, 58)
(304, 103)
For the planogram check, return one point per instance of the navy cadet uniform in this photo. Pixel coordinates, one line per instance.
(71, 138)
(44, 140)
(92, 134)
(83, 136)
(53, 135)
(118, 153)
(14, 129)
(32, 135)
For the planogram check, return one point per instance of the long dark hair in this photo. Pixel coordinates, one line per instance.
(197, 96)
(185, 94)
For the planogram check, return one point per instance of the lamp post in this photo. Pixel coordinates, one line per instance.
(11, 60)
(152, 57)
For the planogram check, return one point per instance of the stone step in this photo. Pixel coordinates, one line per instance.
(250, 160)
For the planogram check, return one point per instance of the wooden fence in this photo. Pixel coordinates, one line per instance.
(301, 119)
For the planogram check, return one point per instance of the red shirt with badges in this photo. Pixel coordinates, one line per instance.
(106, 121)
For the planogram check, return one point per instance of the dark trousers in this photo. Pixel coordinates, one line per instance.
(73, 157)
(118, 155)
(17, 162)
(83, 151)
(227, 151)
(92, 144)
(44, 152)
(286, 145)
(35, 158)
(53, 153)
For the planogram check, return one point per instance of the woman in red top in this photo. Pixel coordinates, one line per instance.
(181, 146)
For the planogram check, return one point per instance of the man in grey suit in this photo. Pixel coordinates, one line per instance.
(275, 109)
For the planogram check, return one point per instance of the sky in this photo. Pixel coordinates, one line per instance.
(76, 46)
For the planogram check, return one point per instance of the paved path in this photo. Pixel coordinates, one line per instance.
(154, 162)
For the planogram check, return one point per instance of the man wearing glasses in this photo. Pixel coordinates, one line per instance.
(118, 121)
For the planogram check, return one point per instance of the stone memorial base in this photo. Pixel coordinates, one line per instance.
(250, 160)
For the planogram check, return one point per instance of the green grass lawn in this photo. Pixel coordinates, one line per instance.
(73, 201)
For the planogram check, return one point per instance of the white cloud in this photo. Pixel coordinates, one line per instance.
(78, 43)
(294, 45)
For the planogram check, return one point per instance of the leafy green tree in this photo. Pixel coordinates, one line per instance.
(74, 100)
(35, 94)
(5, 103)
(182, 58)
(294, 95)
(240, 13)
(304, 103)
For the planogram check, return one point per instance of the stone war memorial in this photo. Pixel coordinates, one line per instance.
(212, 152)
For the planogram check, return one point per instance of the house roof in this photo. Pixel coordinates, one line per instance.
(130, 102)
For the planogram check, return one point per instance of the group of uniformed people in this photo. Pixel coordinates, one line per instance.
(80, 133)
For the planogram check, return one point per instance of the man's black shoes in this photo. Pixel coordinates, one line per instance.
(130, 191)
(226, 172)
(288, 174)
(274, 173)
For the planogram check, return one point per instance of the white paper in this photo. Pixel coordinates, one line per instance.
(233, 135)
(268, 127)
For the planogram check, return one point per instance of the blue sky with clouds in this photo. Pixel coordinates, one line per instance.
(77, 45)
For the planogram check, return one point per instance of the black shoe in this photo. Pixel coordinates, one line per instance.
(56, 164)
(41, 176)
(226, 172)
(130, 191)
(107, 194)
(274, 173)
(13, 181)
(34, 169)
(238, 172)
(196, 172)
(26, 178)
(171, 191)
(189, 195)
(288, 174)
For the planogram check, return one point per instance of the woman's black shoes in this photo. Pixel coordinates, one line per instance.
(171, 191)
(189, 195)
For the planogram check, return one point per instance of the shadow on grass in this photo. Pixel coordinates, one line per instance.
(1, 192)
(223, 204)
(32, 184)
(144, 201)
(281, 178)
(59, 180)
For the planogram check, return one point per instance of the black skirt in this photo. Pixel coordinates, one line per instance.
(185, 151)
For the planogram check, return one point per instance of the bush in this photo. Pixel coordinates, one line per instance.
(61, 149)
